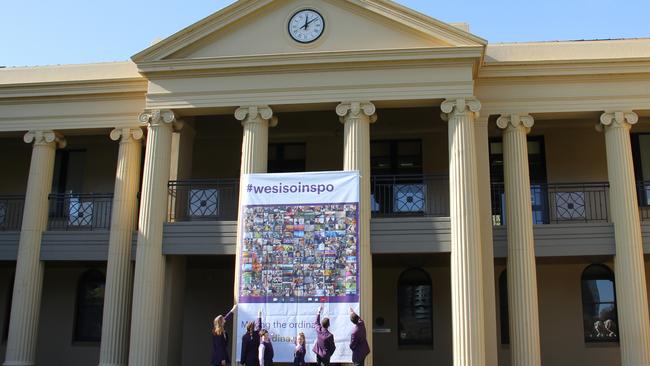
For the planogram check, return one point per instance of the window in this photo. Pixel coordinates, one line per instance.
(600, 321)
(641, 153)
(392, 157)
(90, 307)
(415, 315)
(538, 188)
(397, 185)
(503, 308)
(286, 158)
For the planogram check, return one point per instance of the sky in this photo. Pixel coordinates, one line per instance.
(49, 32)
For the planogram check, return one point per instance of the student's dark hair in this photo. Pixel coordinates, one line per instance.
(250, 326)
(354, 318)
(325, 323)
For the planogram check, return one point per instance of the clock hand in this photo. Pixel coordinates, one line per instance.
(311, 21)
(306, 23)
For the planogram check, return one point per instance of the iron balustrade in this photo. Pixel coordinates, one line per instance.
(80, 212)
(409, 195)
(11, 212)
(558, 203)
(203, 200)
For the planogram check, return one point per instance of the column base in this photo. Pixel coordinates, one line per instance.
(112, 364)
(18, 363)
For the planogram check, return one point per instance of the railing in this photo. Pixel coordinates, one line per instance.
(11, 212)
(559, 203)
(203, 200)
(410, 195)
(80, 212)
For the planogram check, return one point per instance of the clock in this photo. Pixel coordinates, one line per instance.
(306, 26)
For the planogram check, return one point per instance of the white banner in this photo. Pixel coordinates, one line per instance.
(299, 236)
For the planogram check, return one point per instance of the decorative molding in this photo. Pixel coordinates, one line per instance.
(159, 117)
(349, 110)
(514, 120)
(45, 138)
(460, 106)
(256, 114)
(127, 134)
(617, 120)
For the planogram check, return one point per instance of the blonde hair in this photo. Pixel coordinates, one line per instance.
(218, 326)
(301, 335)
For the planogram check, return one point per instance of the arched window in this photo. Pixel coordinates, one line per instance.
(415, 313)
(90, 306)
(600, 321)
(503, 308)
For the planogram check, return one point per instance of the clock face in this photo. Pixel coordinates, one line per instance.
(306, 26)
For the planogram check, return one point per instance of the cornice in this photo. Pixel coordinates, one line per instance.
(71, 88)
(340, 59)
(565, 68)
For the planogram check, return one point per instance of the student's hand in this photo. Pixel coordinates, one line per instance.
(320, 309)
(352, 311)
(223, 363)
(259, 313)
(234, 307)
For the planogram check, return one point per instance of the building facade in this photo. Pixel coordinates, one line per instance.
(505, 188)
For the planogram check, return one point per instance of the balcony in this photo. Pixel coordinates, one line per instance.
(11, 212)
(203, 200)
(80, 212)
(563, 203)
(409, 195)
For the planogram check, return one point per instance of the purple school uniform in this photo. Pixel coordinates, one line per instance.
(250, 344)
(299, 356)
(220, 345)
(359, 343)
(324, 346)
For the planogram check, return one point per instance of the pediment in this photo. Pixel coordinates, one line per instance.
(259, 27)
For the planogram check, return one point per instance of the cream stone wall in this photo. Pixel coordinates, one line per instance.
(100, 162)
(15, 164)
(55, 344)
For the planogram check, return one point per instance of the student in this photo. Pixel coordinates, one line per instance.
(266, 349)
(220, 339)
(300, 352)
(324, 347)
(250, 343)
(358, 341)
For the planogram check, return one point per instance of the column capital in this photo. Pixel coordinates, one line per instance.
(256, 114)
(460, 106)
(617, 119)
(347, 110)
(160, 117)
(45, 138)
(515, 121)
(127, 134)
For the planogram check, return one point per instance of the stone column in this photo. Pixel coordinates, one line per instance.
(522, 274)
(631, 296)
(468, 328)
(487, 246)
(119, 274)
(148, 285)
(357, 117)
(28, 283)
(256, 121)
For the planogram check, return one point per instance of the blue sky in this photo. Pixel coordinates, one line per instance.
(46, 32)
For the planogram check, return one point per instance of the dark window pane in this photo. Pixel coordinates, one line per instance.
(415, 311)
(90, 305)
(503, 308)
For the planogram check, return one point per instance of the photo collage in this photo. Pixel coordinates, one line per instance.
(299, 253)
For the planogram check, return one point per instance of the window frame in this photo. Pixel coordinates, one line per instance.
(504, 308)
(425, 343)
(86, 276)
(607, 274)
